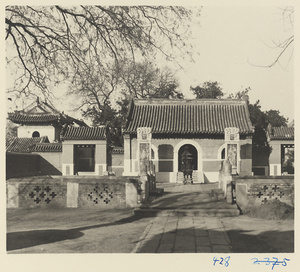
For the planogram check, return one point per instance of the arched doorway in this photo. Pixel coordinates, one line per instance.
(193, 143)
(193, 154)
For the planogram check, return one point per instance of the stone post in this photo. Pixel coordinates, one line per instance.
(230, 165)
(232, 138)
(225, 176)
(127, 161)
(144, 156)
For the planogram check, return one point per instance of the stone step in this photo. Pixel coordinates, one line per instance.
(218, 202)
(187, 205)
(151, 212)
(200, 195)
(196, 178)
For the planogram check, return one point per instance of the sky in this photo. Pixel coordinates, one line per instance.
(230, 42)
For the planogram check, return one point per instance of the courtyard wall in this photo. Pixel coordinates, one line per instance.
(254, 191)
(73, 192)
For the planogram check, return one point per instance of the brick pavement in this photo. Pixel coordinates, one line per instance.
(184, 234)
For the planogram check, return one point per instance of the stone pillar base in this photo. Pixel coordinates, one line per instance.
(72, 195)
(68, 169)
(12, 195)
(100, 169)
(275, 169)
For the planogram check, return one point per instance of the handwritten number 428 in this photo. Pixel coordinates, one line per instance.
(222, 261)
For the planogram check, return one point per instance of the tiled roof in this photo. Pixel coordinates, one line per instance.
(38, 119)
(85, 133)
(197, 116)
(48, 147)
(23, 145)
(282, 133)
(9, 141)
(39, 113)
(30, 118)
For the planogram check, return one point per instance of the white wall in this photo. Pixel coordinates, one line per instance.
(26, 131)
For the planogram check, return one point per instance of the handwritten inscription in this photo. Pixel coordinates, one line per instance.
(268, 261)
(221, 261)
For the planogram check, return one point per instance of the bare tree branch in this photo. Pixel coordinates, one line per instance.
(283, 46)
(50, 43)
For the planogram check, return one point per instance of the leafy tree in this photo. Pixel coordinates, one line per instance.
(260, 120)
(11, 129)
(208, 89)
(274, 118)
(144, 80)
(260, 146)
(47, 44)
(110, 117)
(98, 85)
(94, 86)
(240, 94)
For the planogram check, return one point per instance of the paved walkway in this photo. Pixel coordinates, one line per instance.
(184, 234)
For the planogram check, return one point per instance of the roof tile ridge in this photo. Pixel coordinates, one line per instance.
(174, 101)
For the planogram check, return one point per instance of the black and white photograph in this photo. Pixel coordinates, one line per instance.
(151, 129)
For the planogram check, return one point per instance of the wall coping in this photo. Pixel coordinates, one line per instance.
(263, 177)
(265, 181)
(74, 179)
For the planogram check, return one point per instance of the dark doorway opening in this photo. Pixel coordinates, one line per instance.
(287, 158)
(84, 158)
(193, 151)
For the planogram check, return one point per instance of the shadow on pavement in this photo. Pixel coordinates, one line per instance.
(264, 242)
(213, 241)
(24, 239)
(185, 200)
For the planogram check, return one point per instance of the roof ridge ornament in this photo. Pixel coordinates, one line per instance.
(232, 134)
(144, 133)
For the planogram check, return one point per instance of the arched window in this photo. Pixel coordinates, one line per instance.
(223, 154)
(36, 134)
(165, 157)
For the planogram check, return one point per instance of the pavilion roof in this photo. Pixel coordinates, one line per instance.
(21, 118)
(197, 116)
(40, 113)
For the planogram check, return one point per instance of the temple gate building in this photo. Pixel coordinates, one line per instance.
(193, 129)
